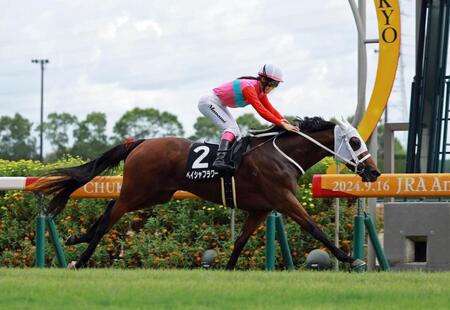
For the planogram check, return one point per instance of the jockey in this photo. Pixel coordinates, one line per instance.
(236, 94)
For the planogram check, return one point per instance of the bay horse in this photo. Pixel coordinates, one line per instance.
(265, 180)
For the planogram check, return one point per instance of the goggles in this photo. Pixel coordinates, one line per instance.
(272, 83)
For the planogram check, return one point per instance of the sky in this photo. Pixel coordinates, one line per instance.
(112, 56)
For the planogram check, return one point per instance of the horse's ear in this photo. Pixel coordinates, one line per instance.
(341, 123)
(347, 123)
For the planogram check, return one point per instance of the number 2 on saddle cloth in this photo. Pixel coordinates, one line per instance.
(199, 167)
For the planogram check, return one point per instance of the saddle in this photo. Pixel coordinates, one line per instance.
(199, 167)
(265, 132)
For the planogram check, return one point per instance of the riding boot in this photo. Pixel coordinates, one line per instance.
(221, 163)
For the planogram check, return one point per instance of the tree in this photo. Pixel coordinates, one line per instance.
(248, 121)
(205, 130)
(57, 129)
(291, 119)
(90, 137)
(147, 123)
(15, 138)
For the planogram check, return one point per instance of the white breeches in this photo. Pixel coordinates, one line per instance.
(216, 112)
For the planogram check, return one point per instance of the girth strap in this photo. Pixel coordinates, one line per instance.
(228, 191)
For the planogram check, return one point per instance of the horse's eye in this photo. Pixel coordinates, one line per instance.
(355, 143)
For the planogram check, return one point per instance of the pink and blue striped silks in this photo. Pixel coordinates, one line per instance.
(231, 93)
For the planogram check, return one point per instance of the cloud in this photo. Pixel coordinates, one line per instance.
(121, 20)
(143, 25)
(109, 32)
(166, 55)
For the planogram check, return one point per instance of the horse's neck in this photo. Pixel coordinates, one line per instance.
(305, 152)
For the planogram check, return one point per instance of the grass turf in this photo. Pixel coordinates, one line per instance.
(201, 289)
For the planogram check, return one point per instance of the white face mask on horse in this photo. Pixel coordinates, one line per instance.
(343, 133)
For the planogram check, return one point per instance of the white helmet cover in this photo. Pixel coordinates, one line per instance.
(272, 72)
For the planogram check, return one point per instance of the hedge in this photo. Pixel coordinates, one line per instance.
(171, 235)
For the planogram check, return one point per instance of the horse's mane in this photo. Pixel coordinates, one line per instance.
(307, 124)
(312, 124)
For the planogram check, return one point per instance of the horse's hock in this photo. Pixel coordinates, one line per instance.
(417, 235)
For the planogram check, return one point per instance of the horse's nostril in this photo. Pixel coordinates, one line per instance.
(376, 173)
(374, 176)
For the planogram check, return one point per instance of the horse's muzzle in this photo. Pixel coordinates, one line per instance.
(369, 175)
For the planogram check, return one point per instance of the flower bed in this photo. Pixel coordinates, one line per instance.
(172, 235)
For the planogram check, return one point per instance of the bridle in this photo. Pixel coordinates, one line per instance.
(345, 137)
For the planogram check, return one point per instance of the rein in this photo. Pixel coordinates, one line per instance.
(336, 155)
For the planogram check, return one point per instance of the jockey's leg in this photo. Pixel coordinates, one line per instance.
(222, 160)
(218, 113)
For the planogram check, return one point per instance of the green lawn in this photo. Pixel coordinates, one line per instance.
(201, 289)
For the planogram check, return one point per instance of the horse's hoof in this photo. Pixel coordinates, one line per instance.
(358, 263)
(72, 265)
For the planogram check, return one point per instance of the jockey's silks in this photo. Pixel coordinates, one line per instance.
(239, 93)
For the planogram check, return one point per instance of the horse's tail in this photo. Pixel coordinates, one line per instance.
(63, 182)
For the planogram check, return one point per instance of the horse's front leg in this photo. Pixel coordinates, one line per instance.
(294, 209)
(254, 218)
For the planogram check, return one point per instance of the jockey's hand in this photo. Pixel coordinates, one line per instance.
(290, 127)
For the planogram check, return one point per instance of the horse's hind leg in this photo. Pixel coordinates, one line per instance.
(87, 237)
(112, 215)
(107, 220)
(254, 218)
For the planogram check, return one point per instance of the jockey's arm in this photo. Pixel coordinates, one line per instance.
(265, 101)
(250, 96)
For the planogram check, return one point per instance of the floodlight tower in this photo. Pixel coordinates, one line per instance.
(43, 62)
